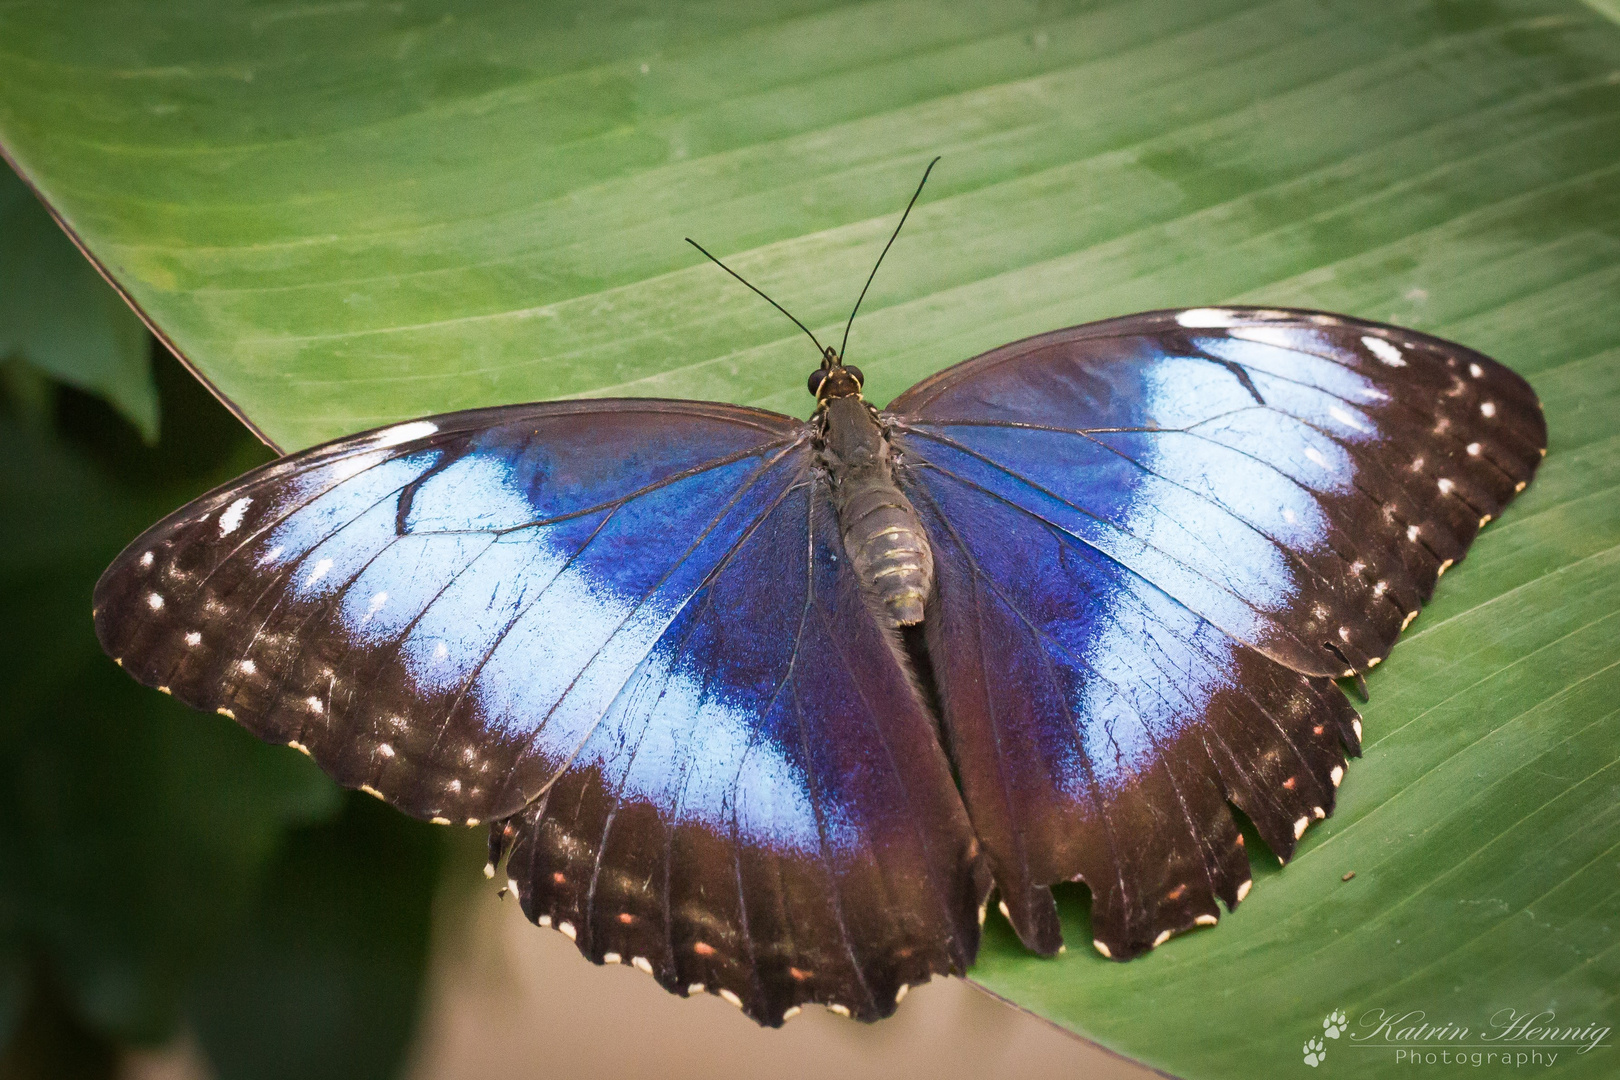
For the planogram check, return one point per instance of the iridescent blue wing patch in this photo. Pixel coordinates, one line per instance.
(623, 632)
(627, 635)
(1158, 537)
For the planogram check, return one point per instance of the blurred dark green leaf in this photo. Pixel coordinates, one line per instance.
(153, 867)
(349, 214)
(13, 988)
(59, 316)
(134, 831)
(323, 979)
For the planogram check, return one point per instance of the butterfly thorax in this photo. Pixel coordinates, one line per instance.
(882, 534)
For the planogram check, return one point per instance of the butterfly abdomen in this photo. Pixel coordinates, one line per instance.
(882, 533)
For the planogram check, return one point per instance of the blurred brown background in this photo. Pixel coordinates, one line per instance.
(507, 999)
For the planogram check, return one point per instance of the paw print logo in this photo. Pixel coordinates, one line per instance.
(1315, 1052)
(1333, 1026)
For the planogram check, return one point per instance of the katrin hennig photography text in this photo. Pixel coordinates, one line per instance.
(1511, 1038)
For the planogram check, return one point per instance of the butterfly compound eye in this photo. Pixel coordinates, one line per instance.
(817, 377)
(855, 371)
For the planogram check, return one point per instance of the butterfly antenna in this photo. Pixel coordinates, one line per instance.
(819, 347)
(886, 248)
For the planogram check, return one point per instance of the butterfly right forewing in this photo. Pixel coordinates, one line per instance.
(1157, 538)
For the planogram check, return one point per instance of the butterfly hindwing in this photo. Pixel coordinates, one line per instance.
(1156, 539)
(765, 811)
(622, 631)
(1100, 727)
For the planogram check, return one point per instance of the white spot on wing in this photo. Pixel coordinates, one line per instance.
(146, 559)
(154, 601)
(1487, 408)
(1102, 947)
(731, 997)
(345, 468)
(1299, 827)
(318, 572)
(194, 639)
(231, 519)
(641, 963)
(1346, 419)
(1164, 936)
(1386, 351)
(1315, 455)
(1475, 370)
(1243, 890)
(400, 433)
(248, 667)
(1336, 775)
(1206, 920)
(1207, 317)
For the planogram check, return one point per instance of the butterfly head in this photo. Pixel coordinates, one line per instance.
(834, 378)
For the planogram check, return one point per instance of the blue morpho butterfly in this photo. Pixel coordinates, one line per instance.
(767, 707)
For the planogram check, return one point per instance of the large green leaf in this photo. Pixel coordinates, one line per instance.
(347, 214)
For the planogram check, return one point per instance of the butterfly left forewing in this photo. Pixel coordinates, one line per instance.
(626, 633)
(351, 599)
